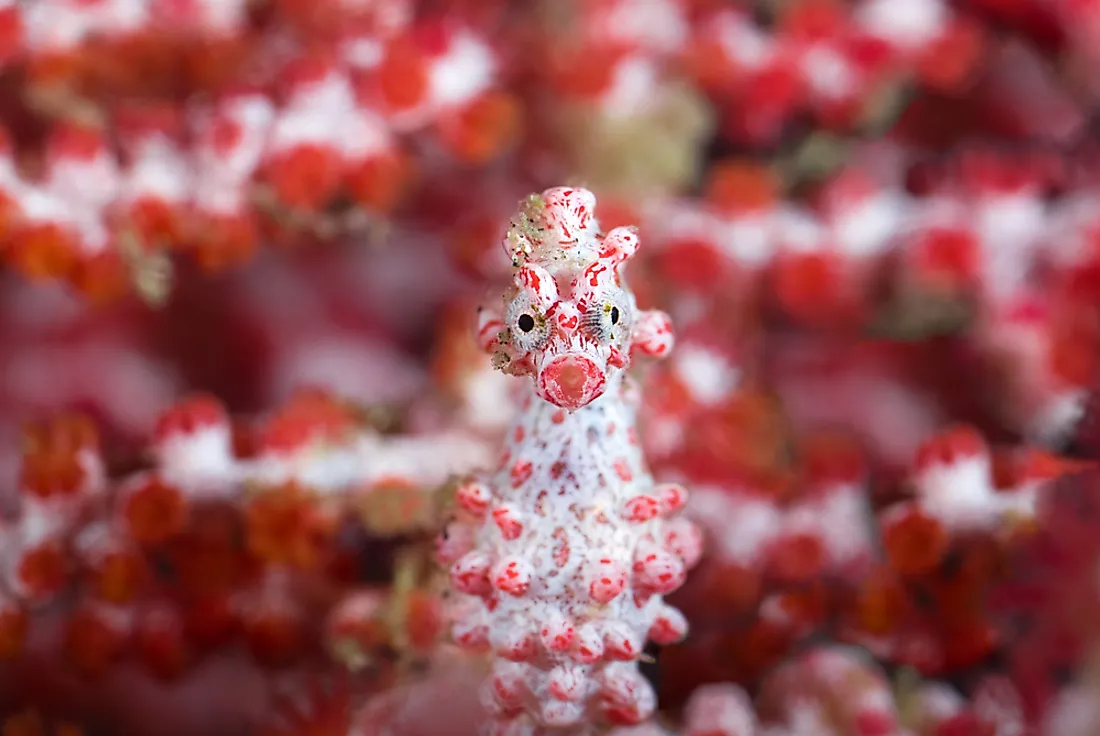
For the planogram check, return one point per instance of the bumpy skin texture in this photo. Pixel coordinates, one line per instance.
(559, 560)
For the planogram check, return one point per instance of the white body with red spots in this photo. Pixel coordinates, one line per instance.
(559, 560)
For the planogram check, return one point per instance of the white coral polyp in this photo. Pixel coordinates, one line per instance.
(962, 495)
(741, 525)
(561, 558)
(224, 168)
(61, 25)
(201, 462)
(160, 172)
(465, 70)
(908, 25)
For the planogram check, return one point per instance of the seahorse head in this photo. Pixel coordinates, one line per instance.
(568, 318)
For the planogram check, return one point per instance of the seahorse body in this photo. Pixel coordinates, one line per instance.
(561, 558)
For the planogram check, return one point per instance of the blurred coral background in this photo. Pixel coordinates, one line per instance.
(242, 243)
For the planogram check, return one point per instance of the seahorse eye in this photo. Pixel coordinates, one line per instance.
(614, 315)
(526, 322)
